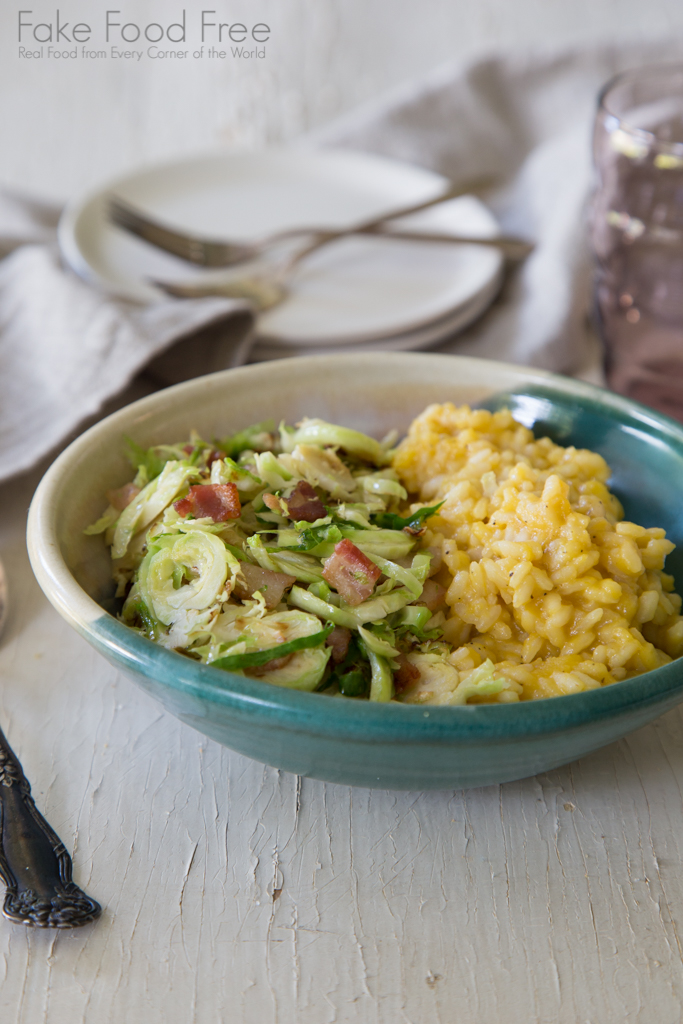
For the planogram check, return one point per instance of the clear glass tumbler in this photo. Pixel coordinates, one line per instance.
(637, 231)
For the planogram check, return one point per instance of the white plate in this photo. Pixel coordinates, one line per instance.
(411, 341)
(353, 290)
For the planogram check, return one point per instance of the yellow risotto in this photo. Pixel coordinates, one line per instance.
(543, 575)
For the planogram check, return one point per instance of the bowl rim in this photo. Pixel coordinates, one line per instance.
(309, 712)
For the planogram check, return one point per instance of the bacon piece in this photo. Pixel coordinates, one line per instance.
(339, 640)
(184, 506)
(271, 584)
(351, 573)
(406, 675)
(215, 455)
(215, 501)
(270, 666)
(432, 595)
(304, 504)
(122, 496)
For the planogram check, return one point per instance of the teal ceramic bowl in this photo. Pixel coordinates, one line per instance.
(388, 746)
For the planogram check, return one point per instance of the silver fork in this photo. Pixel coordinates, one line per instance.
(34, 863)
(204, 252)
(267, 288)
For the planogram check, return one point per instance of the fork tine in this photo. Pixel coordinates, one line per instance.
(199, 251)
(151, 231)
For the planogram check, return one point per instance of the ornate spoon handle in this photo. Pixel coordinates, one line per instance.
(34, 864)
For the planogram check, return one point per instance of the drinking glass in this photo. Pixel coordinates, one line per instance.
(637, 232)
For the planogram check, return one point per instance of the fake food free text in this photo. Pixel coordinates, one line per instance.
(117, 28)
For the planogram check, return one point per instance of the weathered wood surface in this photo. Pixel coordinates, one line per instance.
(234, 892)
(237, 893)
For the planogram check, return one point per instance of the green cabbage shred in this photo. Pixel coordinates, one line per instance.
(245, 590)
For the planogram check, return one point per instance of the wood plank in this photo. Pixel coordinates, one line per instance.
(235, 891)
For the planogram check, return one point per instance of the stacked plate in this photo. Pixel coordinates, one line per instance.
(368, 291)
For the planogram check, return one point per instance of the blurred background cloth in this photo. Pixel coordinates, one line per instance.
(66, 348)
(526, 121)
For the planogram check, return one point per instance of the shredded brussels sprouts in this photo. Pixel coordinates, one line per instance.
(288, 555)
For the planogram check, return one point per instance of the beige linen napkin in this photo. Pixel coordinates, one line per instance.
(65, 347)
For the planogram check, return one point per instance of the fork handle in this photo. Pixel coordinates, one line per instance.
(374, 224)
(512, 247)
(34, 863)
(453, 192)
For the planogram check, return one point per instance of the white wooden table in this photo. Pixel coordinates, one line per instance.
(237, 893)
